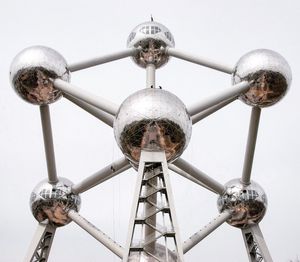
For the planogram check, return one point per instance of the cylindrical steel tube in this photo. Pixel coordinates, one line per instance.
(200, 60)
(204, 232)
(101, 60)
(199, 175)
(91, 99)
(104, 174)
(251, 143)
(96, 233)
(48, 143)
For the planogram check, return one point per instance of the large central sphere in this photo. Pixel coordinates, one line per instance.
(49, 202)
(152, 119)
(247, 202)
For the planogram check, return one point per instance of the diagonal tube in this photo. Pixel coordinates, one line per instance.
(186, 175)
(204, 232)
(232, 92)
(251, 143)
(48, 143)
(96, 233)
(211, 110)
(83, 95)
(101, 115)
(101, 60)
(199, 60)
(199, 175)
(102, 175)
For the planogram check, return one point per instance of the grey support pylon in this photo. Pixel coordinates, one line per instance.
(153, 231)
(257, 249)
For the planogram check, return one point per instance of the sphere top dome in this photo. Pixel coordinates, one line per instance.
(151, 39)
(150, 29)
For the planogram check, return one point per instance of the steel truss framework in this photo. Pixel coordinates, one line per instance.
(155, 177)
(153, 200)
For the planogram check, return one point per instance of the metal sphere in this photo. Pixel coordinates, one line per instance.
(49, 202)
(151, 39)
(270, 73)
(152, 119)
(247, 202)
(159, 251)
(30, 72)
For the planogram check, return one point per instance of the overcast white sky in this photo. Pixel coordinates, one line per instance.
(223, 30)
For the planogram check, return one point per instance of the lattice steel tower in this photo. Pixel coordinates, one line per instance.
(152, 128)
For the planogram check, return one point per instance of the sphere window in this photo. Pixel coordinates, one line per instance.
(150, 30)
(131, 36)
(145, 30)
(168, 35)
(45, 194)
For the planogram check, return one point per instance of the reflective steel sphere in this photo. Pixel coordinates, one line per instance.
(159, 252)
(152, 119)
(49, 202)
(248, 203)
(151, 38)
(30, 72)
(270, 73)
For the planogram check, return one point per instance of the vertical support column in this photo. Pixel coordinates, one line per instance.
(257, 249)
(153, 230)
(251, 143)
(150, 83)
(150, 76)
(48, 143)
(41, 244)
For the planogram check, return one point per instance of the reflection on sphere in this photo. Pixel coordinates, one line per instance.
(269, 73)
(152, 119)
(31, 71)
(151, 39)
(248, 203)
(49, 202)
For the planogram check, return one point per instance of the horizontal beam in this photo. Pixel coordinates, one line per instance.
(251, 143)
(199, 175)
(101, 60)
(102, 175)
(211, 110)
(186, 175)
(96, 233)
(204, 232)
(226, 94)
(200, 60)
(48, 143)
(83, 95)
(101, 115)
